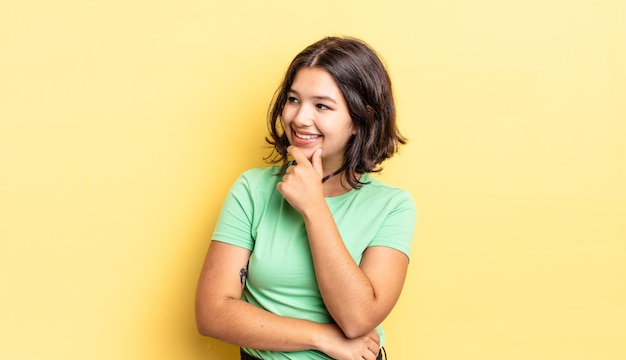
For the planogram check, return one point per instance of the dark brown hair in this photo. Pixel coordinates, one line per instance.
(364, 82)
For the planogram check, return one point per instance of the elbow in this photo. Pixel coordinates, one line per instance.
(208, 327)
(214, 314)
(356, 329)
(354, 332)
(357, 324)
(203, 331)
(203, 325)
(206, 321)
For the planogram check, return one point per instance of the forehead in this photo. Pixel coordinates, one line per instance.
(315, 81)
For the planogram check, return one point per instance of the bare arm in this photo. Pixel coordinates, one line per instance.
(358, 298)
(222, 315)
(362, 297)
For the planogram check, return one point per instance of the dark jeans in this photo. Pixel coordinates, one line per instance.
(246, 356)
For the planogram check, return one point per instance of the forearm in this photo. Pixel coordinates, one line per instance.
(242, 324)
(347, 292)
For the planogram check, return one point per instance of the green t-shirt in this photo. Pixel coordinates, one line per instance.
(281, 278)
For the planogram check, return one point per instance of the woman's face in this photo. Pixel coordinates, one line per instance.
(316, 116)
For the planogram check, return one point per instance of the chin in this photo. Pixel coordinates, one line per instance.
(307, 152)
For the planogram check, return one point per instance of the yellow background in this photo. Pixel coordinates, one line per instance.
(123, 124)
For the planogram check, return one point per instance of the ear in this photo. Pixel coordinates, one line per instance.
(355, 129)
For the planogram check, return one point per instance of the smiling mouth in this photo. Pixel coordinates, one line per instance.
(306, 137)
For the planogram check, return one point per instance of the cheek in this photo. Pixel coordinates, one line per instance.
(287, 114)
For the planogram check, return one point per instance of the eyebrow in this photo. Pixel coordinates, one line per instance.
(317, 97)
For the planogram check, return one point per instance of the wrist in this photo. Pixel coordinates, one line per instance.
(321, 339)
(314, 210)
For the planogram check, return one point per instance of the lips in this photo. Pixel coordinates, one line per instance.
(307, 136)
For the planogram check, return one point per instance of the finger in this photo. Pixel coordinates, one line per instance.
(374, 353)
(316, 160)
(375, 350)
(297, 154)
(375, 337)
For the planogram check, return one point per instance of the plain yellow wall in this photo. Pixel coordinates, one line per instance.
(123, 124)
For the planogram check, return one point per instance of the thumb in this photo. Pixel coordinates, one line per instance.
(316, 161)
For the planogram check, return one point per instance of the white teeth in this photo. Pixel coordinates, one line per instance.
(307, 137)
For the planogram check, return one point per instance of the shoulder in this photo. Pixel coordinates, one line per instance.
(256, 183)
(259, 177)
(376, 190)
(261, 172)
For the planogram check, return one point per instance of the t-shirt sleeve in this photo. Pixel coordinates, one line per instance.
(234, 224)
(398, 227)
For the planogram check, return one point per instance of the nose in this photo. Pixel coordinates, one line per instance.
(303, 117)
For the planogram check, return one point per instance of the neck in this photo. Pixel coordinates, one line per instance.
(336, 184)
(336, 172)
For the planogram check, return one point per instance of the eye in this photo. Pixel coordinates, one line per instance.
(292, 99)
(322, 107)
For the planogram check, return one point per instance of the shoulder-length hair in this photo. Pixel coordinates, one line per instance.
(365, 84)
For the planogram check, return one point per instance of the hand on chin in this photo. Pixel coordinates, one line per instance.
(306, 151)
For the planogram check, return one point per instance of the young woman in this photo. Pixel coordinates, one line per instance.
(310, 256)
